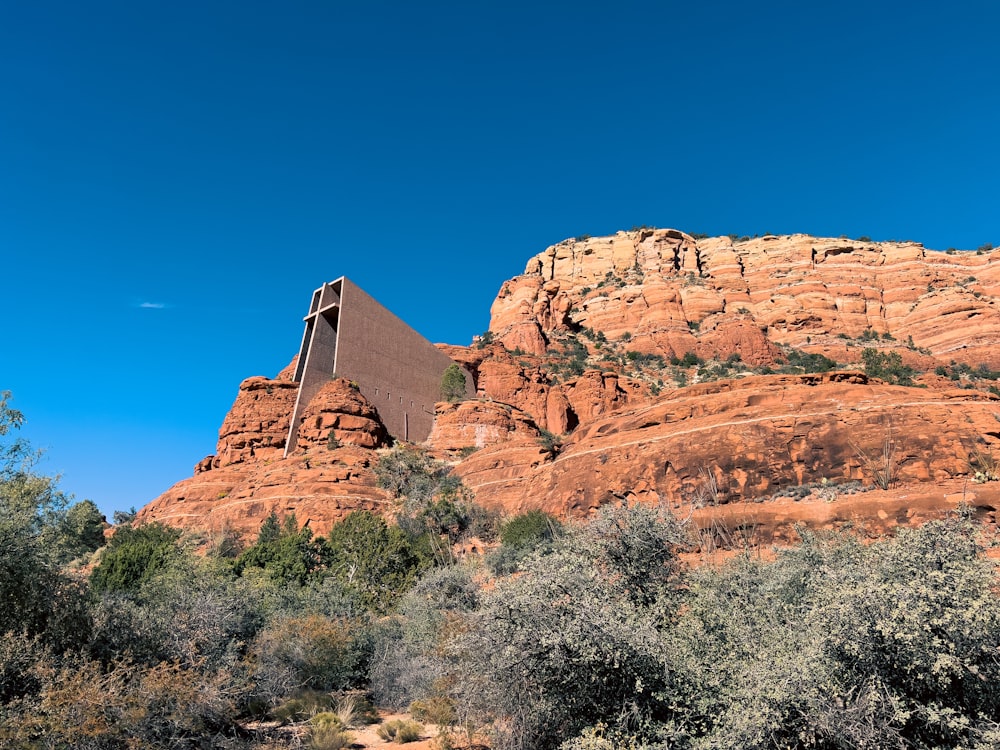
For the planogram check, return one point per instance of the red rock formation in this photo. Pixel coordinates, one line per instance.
(661, 285)
(257, 425)
(320, 482)
(753, 437)
(579, 348)
(477, 424)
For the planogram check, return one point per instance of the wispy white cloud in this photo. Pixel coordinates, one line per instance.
(153, 305)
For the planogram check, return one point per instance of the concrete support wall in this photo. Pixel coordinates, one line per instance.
(318, 351)
(351, 335)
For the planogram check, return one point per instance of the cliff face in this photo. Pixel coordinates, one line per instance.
(325, 478)
(657, 367)
(674, 294)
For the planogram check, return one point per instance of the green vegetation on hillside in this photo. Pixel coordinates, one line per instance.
(453, 384)
(576, 636)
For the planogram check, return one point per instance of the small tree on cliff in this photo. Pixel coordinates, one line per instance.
(453, 384)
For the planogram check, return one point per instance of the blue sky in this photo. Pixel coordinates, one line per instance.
(177, 177)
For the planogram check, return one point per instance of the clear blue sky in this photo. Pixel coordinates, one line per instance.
(177, 177)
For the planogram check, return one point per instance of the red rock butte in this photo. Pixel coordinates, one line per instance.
(650, 366)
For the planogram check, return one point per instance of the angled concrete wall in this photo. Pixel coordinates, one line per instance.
(350, 335)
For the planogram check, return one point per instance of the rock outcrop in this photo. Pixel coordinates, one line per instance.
(666, 290)
(325, 478)
(654, 366)
(737, 441)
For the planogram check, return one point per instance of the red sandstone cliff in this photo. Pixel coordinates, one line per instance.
(581, 348)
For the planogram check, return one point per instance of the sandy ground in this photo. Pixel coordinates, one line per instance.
(367, 736)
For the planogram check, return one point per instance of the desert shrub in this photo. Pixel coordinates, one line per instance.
(18, 655)
(887, 366)
(553, 650)
(312, 651)
(407, 472)
(549, 441)
(572, 640)
(529, 529)
(810, 362)
(400, 730)
(193, 613)
(410, 660)
(690, 359)
(520, 536)
(436, 709)
(434, 501)
(843, 644)
(326, 732)
(300, 704)
(134, 555)
(375, 561)
(82, 705)
(453, 384)
(284, 551)
(636, 548)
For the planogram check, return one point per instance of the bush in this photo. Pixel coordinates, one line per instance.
(284, 551)
(849, 645)
(557, 648)
(453, 384)
(690, 359)
(82, 705)
(407, 472)
(134, 555)
(315, 652)
(810, 362)
(887, 366)
(375, 561)
(326, 732)
(436, 709)
(529, 530)
(410, 660)
(399, 730)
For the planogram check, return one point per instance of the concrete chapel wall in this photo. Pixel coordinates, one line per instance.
(349, 334)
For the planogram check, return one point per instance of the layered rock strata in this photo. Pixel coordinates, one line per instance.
(577, 404)
(667, 291)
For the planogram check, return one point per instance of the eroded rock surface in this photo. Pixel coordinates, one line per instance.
(592, 388)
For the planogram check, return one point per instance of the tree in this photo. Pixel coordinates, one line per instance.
(377, 561)
(286, 552)
(887, 366)
(453, 384)
(35, 597)
(82, 531)
(134, 556)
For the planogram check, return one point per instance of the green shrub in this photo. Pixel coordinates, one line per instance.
(810, 362)
(453, 384)
(529, 530)
(284, 551)
(690, 359)
(887, 366)
(326, 732)
(134, 555)
(400, 730)
(373, 560)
